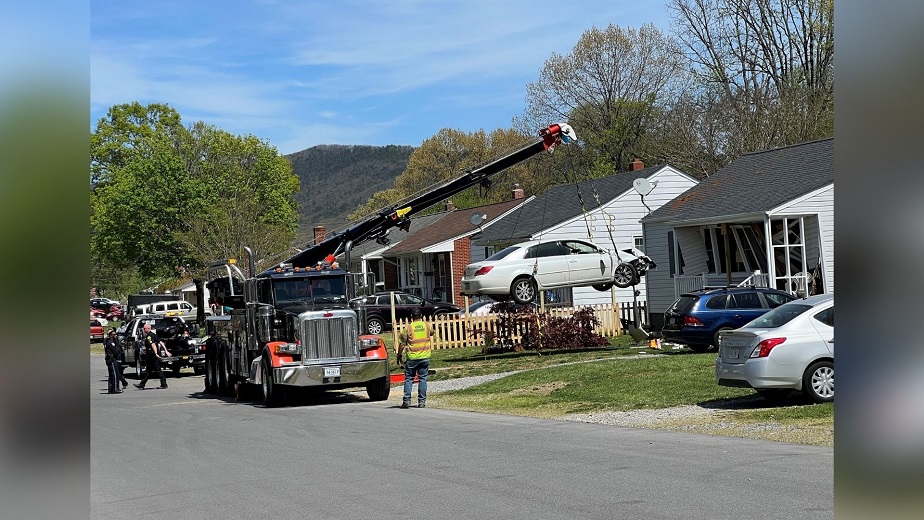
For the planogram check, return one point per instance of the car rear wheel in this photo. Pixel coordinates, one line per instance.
(375, 326)
(624, 276)
(523, 290)
(138, 368)
(818, 382)
(715, 337)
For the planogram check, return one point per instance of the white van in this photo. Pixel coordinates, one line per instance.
(179, 308)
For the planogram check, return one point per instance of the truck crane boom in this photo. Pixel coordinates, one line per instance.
(377, 225)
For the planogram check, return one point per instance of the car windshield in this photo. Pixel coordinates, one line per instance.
(503, 253)
(777, 317)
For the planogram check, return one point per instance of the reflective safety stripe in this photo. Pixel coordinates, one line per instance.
(418, 341)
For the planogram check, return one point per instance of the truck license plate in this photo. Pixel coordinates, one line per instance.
(331, 372)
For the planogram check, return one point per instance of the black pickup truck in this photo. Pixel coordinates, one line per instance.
(185, 351)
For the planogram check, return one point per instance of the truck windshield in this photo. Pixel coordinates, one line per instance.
(310, 290)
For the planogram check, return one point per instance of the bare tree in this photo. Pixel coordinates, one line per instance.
(767, 65)
(612, 88)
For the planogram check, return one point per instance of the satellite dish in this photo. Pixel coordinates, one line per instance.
(477, 218)
(642, 186)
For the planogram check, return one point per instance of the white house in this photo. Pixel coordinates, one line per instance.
(786, 194)
(558, 214)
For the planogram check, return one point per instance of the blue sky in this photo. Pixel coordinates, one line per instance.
(299, 74)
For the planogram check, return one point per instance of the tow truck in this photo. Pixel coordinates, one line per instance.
(297, 324)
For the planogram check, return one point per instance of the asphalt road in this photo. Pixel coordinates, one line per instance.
(178, 454)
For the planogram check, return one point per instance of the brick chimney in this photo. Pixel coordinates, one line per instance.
(320, 233)
(518, 192)
(450, 206)
(636, 165)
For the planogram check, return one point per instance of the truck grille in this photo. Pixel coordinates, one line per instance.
(329, 337)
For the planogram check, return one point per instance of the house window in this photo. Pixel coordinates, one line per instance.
(409, 271)
(640, 243)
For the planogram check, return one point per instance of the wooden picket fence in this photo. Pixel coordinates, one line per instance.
(455, 331)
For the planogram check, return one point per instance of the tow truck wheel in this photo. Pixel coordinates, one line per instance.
(379, 389)
(271, 397)
(210, 372)
(224, 379)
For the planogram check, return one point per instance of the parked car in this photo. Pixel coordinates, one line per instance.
(115, 313)
(485, 307)
(522, 270)
(789, 348)
(103, 304)
(179, 308)
(695, 319)
(96, 330)
(97, 313)
(378, 309)
(185, 351)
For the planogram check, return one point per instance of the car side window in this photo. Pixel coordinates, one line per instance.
(717, 302)
(531, 252)
(578, 248)
(774, 300)
(549, 249)
(826, 316)
(409, 299)
(744, 300)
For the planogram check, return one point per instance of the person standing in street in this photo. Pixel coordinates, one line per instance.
(154, 349)
(114, 363)
(415, 340)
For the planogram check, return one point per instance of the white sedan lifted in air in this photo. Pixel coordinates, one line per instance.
(521, 270)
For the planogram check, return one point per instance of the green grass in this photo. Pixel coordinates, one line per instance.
(621, 384)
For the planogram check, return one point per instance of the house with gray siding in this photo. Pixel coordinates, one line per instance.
(767, 218)
(609, 218)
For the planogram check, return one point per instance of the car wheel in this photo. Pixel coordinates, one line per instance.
(774, 395)
(375, 326)
(715, 337)
(271, 391)
(818, 382)
(198, 370)
(602, 286)
(523, 290)
(624, 276)
(176, 371)
(138, 367)
(379, 389)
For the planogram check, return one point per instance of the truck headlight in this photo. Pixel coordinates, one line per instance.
(289, 348)
(368, 343)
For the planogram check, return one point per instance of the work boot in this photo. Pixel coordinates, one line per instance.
(405, 404)
(421, 405)
(139, 387)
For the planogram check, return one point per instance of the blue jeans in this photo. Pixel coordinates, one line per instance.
(421, 368)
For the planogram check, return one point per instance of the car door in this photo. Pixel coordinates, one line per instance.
(551, 261)
(824, 323)
(743, 307)
(587, 264)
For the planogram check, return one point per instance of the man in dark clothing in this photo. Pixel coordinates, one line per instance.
(154, 348)
(114, 363)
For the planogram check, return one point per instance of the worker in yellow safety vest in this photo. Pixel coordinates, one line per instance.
(415, 340)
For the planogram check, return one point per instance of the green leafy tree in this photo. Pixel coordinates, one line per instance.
(169, 199)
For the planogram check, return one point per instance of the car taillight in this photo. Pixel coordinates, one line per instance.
(484, 270)
(764, 347)
(690, 321)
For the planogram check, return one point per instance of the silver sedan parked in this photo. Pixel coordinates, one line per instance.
(789, 348)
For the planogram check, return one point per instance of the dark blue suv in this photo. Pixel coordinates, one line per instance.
(696, 318)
